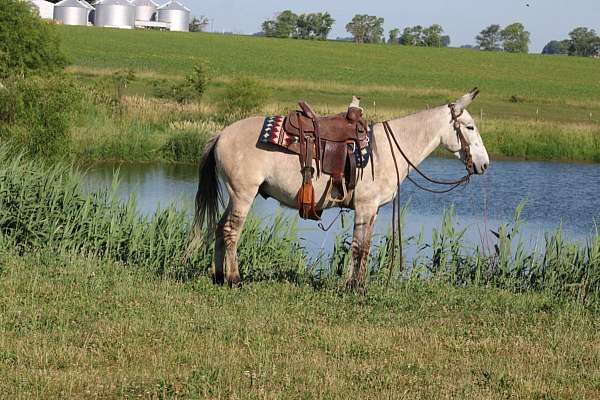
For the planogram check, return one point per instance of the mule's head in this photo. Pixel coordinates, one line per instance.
(451, 139)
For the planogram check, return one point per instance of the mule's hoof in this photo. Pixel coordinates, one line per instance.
(218, 279)
(234, 282)
(353, 285)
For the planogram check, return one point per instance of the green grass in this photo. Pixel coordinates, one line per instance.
(394, 76)
(95, 302)
(72, 327)
(556, 116)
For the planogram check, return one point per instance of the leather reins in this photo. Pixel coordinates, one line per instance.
(397, 210)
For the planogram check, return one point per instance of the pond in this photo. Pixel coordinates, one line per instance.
(556, 195)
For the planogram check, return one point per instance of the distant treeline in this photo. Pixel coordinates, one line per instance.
(582, 42)
(363, 28)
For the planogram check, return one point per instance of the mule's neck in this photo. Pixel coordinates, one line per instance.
(421, 133)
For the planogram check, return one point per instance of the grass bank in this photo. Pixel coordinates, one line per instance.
(96, 301)
(74, 327)
(532, 107)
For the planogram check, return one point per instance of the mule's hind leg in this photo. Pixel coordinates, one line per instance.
(364, 223)
(218, 271)
(239, 206)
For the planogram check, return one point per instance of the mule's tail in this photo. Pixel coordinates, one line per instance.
(208, 200)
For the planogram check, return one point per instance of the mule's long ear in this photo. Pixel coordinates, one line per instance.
(466, 100)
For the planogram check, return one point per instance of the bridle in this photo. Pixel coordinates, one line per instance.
(465, 147)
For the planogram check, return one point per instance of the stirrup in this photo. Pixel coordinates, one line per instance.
(328, 197)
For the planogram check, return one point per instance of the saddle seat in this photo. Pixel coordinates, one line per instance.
(331, 142)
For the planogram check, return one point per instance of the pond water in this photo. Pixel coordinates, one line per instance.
(556, 194)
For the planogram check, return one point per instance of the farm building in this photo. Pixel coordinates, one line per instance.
(173, 15)
(45, 8)
(176, 14)
(114, 14)
(72, 12)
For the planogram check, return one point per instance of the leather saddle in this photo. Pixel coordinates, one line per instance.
(331, 142)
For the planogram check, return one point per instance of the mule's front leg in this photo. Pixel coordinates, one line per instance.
(364, 224)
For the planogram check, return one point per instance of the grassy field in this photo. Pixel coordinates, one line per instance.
(73, 327)
(97, 302)
(532, 107)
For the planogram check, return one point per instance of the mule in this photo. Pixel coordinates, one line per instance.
(248, 169)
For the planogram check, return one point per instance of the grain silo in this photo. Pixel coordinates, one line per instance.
(45, 8)
(114, 14)
(72, 12)
(176, 14)
(145, 10)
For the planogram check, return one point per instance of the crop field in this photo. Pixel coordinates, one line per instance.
(329, 72)
(531, 107)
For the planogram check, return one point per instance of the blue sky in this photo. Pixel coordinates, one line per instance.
(461, 19)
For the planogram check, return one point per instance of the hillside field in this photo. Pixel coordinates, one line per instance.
(327, 73)
(531, 107)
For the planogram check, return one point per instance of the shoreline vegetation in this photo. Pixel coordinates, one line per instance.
(96, 302)
(532, 108)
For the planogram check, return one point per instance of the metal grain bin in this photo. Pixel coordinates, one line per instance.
(176, 14)
(145, 10)
(45, 8)
(114, 14)
(72, 12)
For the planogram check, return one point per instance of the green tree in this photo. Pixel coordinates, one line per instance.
(489, 39)
(412, 36)
(27, 44)
(314, 26)
(556, 47)
(583, 42)
(432, 36)
(366, 28)
(283, 26)
(515, 38)
(323, 22)
(394, 36)
(446, 41)
(424, 37)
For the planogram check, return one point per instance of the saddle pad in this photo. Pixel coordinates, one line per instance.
(272, 133)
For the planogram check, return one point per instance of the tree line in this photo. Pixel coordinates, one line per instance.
(512, 39)
(582, 42)
(287, 24)
(363, 28)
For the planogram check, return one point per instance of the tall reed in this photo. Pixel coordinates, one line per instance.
(43, 207)
(47, 207)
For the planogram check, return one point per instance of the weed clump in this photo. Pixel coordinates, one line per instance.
(36, 114)
(184, 146)
(191, 89)
(243, 97)
(28, 45)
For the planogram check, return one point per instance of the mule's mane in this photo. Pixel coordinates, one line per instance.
(416, 113)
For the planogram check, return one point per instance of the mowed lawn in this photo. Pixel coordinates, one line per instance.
(77, 328)
(397, 77)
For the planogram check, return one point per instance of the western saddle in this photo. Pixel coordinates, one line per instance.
(331, 142)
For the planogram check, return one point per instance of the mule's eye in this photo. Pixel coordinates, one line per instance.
(471, 128)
